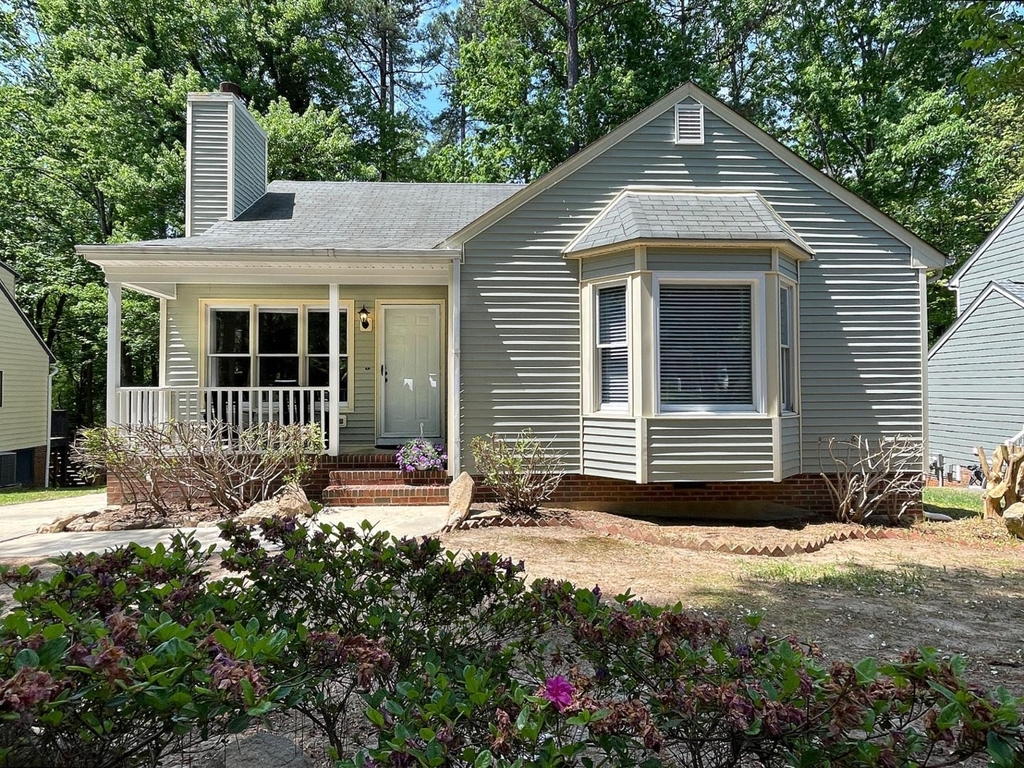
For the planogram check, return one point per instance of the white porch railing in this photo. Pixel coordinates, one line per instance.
(1017, 439)
(242, 407)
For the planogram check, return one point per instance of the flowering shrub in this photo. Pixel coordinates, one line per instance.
(419, 454)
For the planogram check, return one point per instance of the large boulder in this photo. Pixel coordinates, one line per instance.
(260, 750)
(1013, 517)
(291, 501)
(460, 496)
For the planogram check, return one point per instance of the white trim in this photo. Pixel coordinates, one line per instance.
(991, 288)
(113, 350)
(794, 342)
(221, 96)
(156, 290)
(927, 253)
(924, 372)
(162, 346)
(594, 374)
(954, 281)
(756, 280)
(334, 366)
(454, 438)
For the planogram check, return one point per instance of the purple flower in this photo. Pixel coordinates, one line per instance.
(558, 691)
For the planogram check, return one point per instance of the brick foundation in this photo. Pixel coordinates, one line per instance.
(740, 499)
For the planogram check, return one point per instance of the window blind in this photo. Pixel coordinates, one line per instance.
(705, 346)
(613, 347)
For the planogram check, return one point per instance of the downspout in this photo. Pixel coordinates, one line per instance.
(455, 427)
(49, 423)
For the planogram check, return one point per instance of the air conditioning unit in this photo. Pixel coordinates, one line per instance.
(8, 469)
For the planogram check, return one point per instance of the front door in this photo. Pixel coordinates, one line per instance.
(410, 371)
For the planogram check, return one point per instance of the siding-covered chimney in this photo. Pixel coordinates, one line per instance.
(225, 159)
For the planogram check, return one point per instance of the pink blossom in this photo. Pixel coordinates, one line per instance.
(558, 691)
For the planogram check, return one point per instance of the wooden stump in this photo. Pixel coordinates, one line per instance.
(1004, 476)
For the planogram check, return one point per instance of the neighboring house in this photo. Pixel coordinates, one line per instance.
(24, 392)
(976, 369)
(683, 309)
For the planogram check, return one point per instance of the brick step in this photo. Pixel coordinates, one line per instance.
(348, 477)
(365, 461)
(384, 495)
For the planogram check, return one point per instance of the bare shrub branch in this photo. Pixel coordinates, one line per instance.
(872, 477)
(521, 470)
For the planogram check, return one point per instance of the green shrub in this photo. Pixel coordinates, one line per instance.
(521, 471)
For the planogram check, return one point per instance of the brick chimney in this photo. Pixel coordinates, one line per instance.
(225, 159)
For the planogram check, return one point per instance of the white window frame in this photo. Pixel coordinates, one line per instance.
(785, 284)
(598, 406)
(756, 281)
(208, 307)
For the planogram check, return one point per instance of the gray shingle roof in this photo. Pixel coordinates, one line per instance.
(352, 215)
(702, 216)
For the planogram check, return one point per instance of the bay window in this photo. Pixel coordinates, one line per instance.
(705, 347)
(787, 373)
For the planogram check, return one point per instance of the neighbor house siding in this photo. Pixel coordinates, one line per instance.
(208, 165)
(610, 448)
(250, 161)
(24, 415)
(861, 303)
(976, 382)
(723, 448)
(1002, 260)
(185, 346)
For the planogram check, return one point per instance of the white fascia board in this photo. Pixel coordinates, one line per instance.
(954, 282)
(156, 290)
(143, 254)
(926, 253)
(280, 274)
(962, 318)
(787, 247)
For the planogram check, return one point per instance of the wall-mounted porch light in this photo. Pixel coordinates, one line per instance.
(364, 318)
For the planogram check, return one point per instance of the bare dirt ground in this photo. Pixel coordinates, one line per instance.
(959, 591)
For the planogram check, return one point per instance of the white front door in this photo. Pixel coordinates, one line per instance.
(410, 371)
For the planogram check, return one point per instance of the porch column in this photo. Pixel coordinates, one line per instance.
(113, 350)
(334, 375)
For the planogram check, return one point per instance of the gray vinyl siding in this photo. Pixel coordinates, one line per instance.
(791, 446)
(1002, 260)
(7, 279)
(250, 162)
(610, 448)
(208, 165)
(24, 415)
(185, 346)
(861, 304)
(711, 449)
(976, 382)
(711, 260)
(607, 266)
(788, 268)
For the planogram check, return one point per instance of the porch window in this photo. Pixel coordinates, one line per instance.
(612, 348)
(705, 347)
(275, 347)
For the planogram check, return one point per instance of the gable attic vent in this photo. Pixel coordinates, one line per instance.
(689, 123)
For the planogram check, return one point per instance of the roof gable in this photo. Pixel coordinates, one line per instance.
(1009, 289)
(994, 235)
(6, 294)
(922, 252)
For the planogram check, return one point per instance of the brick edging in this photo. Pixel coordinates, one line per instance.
(704, 545)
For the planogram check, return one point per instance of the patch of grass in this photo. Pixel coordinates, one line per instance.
(26, 495)
(955, 502)
(901, 580)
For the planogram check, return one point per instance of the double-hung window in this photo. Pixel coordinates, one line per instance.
(787, 372)
(706, 347)
(257, 346)
(612, 348)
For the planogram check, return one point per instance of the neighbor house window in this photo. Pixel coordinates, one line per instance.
(787, 372)
(705, 347)
(612, 348)
(274, 347)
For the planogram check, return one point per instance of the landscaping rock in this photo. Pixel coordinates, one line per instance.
(80, 525)
(460, 496)
(260, 750)
(290, 502)
(61, 523)
(1013, 517)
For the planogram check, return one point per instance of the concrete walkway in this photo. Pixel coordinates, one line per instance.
(19, 542)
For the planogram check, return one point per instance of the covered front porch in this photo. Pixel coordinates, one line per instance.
(362, 352)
